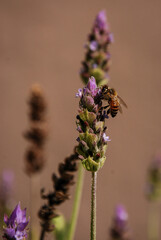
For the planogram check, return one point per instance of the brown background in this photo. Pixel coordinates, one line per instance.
(42, 41)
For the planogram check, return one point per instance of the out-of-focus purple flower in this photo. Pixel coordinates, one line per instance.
(121, 216)
(79, 93)
(6, 186)
(101, 20)
(120, 229)
(106, 138)
(16, 225)
(93, 45)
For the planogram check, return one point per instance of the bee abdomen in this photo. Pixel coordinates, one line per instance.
(114, 110)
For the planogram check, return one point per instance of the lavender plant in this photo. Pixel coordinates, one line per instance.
(92, 137)
(16, 225)
(97, 57)
(120, 229)
(92, 143)
(91, 118)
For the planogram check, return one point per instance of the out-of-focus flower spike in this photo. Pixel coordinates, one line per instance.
(37, 134)
(97, 56)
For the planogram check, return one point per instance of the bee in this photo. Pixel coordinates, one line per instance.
(114, 100)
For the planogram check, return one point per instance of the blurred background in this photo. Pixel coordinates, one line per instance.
(42, 42)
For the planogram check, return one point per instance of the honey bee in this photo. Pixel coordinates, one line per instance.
(114, 100)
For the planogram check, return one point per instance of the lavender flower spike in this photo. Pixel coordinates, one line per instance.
(91, 127)
(97, 57)
(16, 225)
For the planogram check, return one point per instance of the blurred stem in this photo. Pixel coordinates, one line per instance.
(34, 204)
(154, 221)
(77, 200)
(93, 206)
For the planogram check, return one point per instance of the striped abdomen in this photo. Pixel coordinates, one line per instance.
(114, 107)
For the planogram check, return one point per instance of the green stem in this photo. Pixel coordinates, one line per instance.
(34, 203)
(93, 206)
(77, 200)
(154, 221)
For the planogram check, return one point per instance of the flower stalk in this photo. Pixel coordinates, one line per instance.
(93, 206)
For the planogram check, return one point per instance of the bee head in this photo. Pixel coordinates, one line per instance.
(105, 89)
(112, 91)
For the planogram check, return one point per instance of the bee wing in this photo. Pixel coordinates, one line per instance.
(122, 101)
(120, 109)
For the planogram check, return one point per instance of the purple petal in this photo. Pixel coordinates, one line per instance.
(20, 235)
(10, 232)
(93, 45)
(13, 216)
(19, 214)
(6, 219)
(106, 138)
(22, 226)
(79, 93)
(92, 84)
(24, 215)
(101, 21)
(121, 215)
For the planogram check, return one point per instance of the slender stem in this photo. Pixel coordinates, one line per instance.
(154, 221)
(42, 234)
(34, 204)
(93, 206)
(77, 200)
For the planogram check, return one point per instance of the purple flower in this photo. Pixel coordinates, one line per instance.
(93, 45)
(92, 86)
(16, 224)
(6, 187)
(79, 93)
(121, 217)
(120, 227)
(106, 138)
(101, 21)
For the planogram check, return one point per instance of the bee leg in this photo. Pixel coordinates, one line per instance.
(108, 111)
(104, 107)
